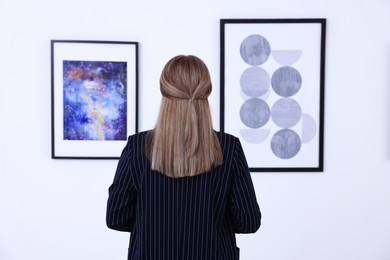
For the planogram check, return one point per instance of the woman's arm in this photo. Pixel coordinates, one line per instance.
(244, 209)
(122, 195)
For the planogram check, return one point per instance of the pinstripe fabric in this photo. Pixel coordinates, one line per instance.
(189, 218)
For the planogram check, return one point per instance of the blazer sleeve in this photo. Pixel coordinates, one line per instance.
(244, 209)
(122, 195)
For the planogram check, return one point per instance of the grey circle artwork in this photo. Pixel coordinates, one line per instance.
(286, 81)
(255, 136)
(255, 50)
(286, 112)
(309, 128)
(255, 81)
(285, 144)
(286, 57)
(255, 113)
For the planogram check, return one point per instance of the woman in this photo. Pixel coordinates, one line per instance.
(182, 189)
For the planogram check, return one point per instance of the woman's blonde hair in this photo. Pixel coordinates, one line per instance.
(183, 142)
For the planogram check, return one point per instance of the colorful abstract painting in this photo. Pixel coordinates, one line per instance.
(95, 104)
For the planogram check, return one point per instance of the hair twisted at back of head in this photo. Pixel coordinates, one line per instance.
(183, 142)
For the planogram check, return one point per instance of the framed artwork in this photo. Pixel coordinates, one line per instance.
(94, 98)
(272, 91)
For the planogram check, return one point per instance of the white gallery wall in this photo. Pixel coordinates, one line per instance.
(55, 209)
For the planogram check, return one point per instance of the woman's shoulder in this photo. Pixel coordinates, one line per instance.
(137, 139)
(139, 135)
(223, 136)
(227, 141)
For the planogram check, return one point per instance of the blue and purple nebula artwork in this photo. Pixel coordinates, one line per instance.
(95, 100)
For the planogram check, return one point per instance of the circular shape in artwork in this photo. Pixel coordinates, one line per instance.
(255, 50)
(309, 128)
(255, 81)
(255, 113)
(286, 112)
(286, 57)
(255, 136)
(285, 144)
(286, 81)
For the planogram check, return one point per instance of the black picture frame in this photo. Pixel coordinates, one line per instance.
(94, 98)
(272, 91)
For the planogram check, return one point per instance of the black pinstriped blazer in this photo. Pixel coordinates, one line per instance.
(189, 218)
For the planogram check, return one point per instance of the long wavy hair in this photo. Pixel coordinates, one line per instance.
(183, 142)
